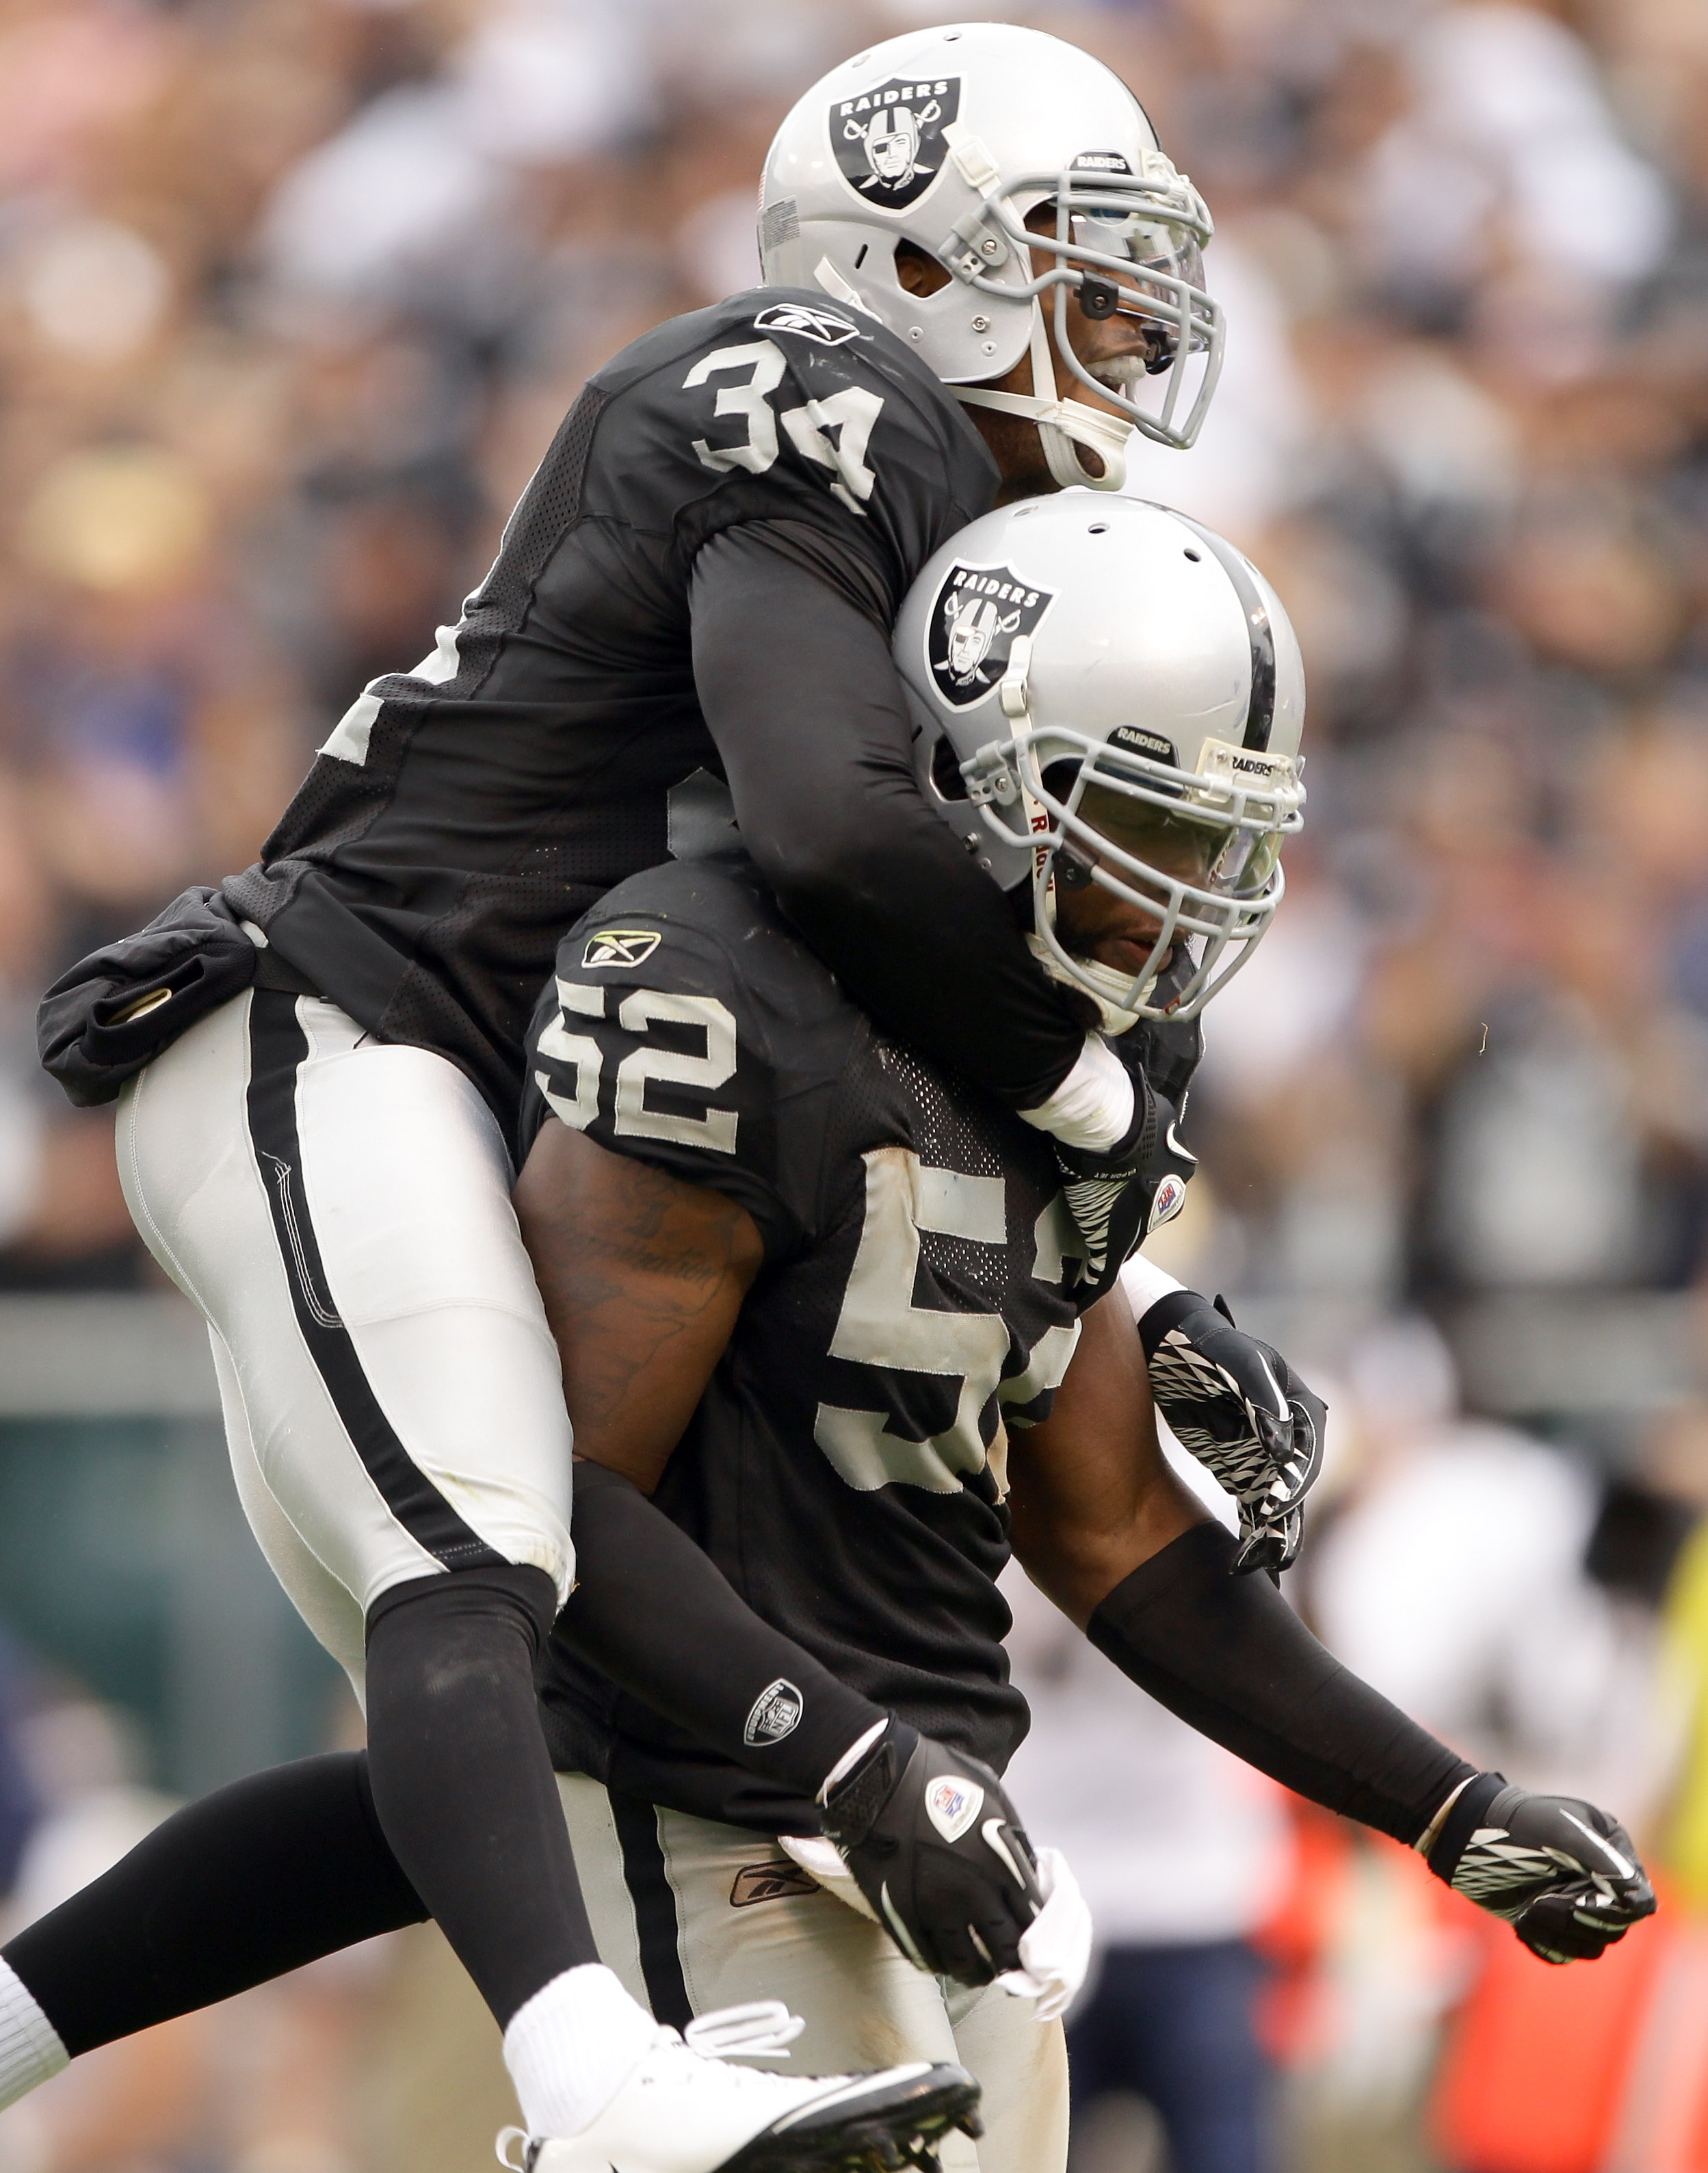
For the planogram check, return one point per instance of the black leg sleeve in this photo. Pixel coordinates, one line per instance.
(1229, 1656)
(802, 696)
(462, 1782)
(653, 1612)
(253, 1880)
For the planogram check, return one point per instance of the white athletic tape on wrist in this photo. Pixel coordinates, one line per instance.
(31, 2051)
(1144, 1283)
(1092, 1109)
(849, 1759)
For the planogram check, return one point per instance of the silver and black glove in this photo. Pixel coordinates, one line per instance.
(1117, 1199)
(1562, 1873)
(1237, 1406)
(937, 1848)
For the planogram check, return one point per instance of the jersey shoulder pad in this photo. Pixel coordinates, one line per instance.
(782, 404)
(686, 1027)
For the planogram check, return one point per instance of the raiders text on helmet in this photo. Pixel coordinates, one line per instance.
(947, 139)
(1082, 643)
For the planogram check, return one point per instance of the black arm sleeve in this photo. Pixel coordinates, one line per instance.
(1231, 1657)
(800, 693)
(655, 1613)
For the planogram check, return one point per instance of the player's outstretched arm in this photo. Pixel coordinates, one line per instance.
(1102, 1526)
(642, 1275)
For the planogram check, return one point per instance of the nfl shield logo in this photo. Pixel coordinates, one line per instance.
(776, 1712)
(953, 1804)
(979, 613)
(889, 141)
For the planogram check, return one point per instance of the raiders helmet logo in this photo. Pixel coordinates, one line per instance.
(819, 324)
(889, 141)
(979, 613)
(620, 947)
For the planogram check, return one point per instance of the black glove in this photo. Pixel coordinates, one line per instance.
(937, 1848)
(1241, 1409)
(1562, 1873)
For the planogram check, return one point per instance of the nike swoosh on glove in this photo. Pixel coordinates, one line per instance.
(1237, 1406)
(1561, 1871)
(940, 1853)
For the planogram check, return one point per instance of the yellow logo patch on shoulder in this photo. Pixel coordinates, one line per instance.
(620, 947)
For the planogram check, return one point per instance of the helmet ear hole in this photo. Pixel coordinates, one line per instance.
(1060, 779)
(945, 773)
(917, 271)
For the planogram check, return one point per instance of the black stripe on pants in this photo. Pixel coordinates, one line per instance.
(654, 1901)
(277, 1047)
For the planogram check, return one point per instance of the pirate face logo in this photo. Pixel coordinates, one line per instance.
(979, 614)
(889, 141)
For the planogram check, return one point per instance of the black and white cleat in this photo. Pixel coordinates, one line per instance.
(683, 2110)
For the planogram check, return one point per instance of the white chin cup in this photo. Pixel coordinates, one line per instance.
(1062, 425)
(1102, 984)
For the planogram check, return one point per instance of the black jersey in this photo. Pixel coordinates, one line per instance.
(918, 1303)
(462, 814)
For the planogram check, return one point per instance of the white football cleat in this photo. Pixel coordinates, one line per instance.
(683, 2110)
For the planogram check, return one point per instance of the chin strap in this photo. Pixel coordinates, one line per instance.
(1062, 425)
(1110, 1017)
(1102, 984)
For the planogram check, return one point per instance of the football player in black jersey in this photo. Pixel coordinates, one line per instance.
(823, 1300)
(982, 274)
(829, 1289)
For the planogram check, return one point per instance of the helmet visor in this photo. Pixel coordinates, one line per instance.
(1156, 260)
(1131, 245)
(1188, 862)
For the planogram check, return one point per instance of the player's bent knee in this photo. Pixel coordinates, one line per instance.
(459, 1604)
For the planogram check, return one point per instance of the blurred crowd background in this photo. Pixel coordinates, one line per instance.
(292, 294)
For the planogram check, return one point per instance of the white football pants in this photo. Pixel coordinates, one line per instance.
(694, 1916)
(339, 1209)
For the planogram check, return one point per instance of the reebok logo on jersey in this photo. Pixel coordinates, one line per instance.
(816, 324)
(620, 947)
(889, 141)
(951, 1804)
(980, 612)
(1171, 1198)
(776, 1713)
(769, 1882)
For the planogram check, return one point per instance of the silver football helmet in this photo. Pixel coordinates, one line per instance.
(1081, 656)
(948, 138)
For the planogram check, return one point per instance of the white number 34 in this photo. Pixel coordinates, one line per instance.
(833, 433)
